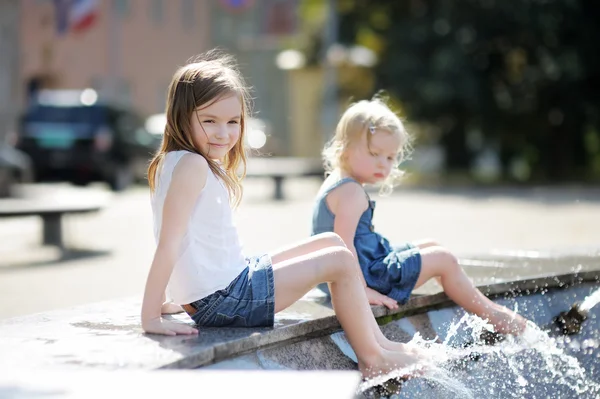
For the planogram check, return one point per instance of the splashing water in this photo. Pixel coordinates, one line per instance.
(590, 301)
(532, 365)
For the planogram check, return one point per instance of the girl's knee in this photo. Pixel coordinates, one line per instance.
(441, 259)
(341, 264)
(331, 239)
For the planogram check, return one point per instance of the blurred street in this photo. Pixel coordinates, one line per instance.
(112, 250)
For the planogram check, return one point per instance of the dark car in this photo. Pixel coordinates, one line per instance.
(72, 136)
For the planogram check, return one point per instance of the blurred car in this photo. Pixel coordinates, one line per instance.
(71, 135)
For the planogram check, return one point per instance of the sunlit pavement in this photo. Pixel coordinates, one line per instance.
(112, 250)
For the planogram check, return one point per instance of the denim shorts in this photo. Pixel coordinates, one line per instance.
(248, 301)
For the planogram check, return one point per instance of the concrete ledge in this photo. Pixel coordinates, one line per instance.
(108, 335)
(509, 289)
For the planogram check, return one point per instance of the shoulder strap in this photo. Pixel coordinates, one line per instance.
(344, 181)
(337, 184)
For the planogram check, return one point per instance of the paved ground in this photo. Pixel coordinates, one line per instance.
(115, 247)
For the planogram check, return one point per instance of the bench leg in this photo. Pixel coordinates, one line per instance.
(52, 230)
(278, 195)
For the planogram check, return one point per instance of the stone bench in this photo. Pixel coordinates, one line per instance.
(51, 210)
(281, 168)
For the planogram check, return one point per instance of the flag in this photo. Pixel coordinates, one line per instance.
(82, 14)
(75, 15)
(61, 8)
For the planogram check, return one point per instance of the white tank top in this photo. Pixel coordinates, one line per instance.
(211, 254)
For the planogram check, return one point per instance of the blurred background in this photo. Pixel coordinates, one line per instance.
(499, 97)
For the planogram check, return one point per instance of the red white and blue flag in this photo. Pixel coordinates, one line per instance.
(75, 15)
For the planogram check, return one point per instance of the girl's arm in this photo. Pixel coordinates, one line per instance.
(189, 178)
(348, 202)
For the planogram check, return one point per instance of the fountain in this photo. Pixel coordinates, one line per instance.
(472, 362)
(570, 322)
(589, 302)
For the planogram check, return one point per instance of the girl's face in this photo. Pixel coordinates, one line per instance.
(370, 164)
(216, 128)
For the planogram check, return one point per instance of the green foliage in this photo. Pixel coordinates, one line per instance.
(521, 72)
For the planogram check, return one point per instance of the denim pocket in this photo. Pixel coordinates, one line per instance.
(206, 307)
(223, 320)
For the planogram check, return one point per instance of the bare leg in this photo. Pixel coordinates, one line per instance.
(312, 244)
(322, 241)
(424, 243)
(383, 341)
(329, 240)
(438, 262)
(296, 276)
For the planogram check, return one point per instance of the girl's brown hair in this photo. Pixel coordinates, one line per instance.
(205, 79)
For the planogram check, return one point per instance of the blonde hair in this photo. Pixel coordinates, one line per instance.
(358, 120)
(205, 79)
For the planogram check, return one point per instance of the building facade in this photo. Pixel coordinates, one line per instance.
(128, 50)
(125, 49)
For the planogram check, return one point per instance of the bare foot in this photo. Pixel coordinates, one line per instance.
(170, 308)
(419, 352)
(506, 321)
(410, 360)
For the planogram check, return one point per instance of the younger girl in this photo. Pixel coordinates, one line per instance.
(368, 145)
(199, 259)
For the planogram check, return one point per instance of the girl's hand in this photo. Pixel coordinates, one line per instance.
(376, 298)
(167, 327)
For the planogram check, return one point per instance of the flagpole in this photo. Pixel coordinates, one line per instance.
(114, 53)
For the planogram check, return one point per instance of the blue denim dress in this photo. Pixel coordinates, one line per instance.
(392, 270)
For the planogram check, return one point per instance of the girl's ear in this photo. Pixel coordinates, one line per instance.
(344, 157)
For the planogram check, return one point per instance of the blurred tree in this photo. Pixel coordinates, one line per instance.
(518, 76)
